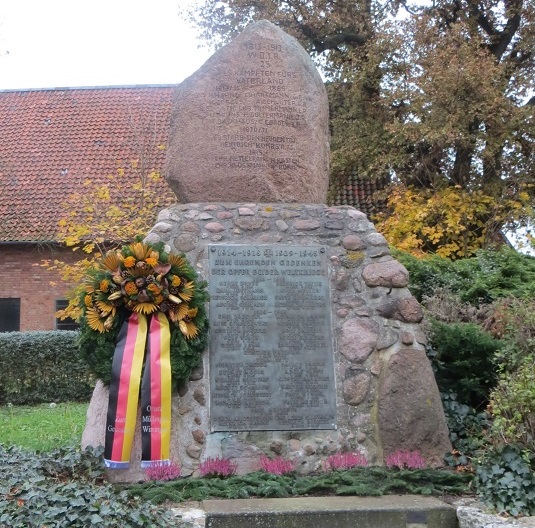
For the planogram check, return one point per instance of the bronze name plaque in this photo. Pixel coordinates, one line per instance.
(271, 361)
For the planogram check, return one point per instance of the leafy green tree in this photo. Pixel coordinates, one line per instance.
(325, 27)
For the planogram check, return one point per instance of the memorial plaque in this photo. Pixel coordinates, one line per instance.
(271, 358)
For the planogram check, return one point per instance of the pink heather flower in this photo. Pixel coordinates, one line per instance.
(217, 467)
(276, 466)
(162, 471)
(406, 460)
(345, 461)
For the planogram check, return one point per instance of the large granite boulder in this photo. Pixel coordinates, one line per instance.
(251, 124)
(410, 413)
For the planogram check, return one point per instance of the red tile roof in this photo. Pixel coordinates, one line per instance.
(364, 194)
(52, 140)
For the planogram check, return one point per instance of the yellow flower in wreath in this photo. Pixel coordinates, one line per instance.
(151, 261)
(129, 262)
(187, 291)
(88, 301)
(112, 261)
(94, 320)
(145, 308)
(188, 329)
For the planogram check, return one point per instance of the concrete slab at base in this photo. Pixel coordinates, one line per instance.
(392, 511)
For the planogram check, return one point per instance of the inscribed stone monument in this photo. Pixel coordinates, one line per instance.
(251, 124)
(315, 346)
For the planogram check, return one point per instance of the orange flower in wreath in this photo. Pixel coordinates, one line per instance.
(129, 262)
(154, 288)
(130, 288)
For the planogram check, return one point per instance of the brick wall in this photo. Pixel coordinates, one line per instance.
(20, 277)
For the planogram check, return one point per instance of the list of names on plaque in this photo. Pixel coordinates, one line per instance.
(271, 363)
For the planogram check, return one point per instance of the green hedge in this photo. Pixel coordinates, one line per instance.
(41, 367)
(490, 275)
(462, 355)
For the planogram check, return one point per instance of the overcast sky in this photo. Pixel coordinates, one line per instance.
(58, 43)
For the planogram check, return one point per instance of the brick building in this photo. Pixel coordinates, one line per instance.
(51, 141)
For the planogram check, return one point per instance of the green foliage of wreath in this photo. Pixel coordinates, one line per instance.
(145, 279)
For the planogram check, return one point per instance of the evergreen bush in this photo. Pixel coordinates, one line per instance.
(490, 275)
(41, 367)
(462, 355)
(361, 481)
(513, 399)
(513, 406)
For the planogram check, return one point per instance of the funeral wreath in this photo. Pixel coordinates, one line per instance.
(142, 278)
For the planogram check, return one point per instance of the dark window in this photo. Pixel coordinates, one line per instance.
(66, 324)
(9, 315)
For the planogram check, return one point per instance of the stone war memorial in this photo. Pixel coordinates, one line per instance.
(315, 345)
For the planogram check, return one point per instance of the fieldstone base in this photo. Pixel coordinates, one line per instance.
(386, 394)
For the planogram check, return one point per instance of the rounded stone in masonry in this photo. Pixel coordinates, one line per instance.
(199, 436)
(410, 310)
(199, 396)
(358, 339)
(214, 227)
(353, 242)
(194, 450)
(355, 388)
(388, 338)
(190, 227)
(306, 225)
(390, 274)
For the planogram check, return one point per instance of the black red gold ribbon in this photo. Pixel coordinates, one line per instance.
(156, 395)
(136, 337)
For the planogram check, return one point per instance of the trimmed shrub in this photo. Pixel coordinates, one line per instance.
(462, 357)
(490, 275)
(41, 367)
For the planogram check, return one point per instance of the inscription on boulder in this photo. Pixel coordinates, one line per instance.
(251, 124)
(271, 358)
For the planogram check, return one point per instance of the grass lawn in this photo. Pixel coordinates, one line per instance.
(42, 427)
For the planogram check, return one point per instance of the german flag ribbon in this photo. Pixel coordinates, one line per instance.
(134, 339)
(156, 395)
